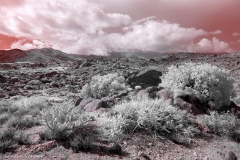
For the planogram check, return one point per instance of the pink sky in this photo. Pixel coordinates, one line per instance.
(101, 26)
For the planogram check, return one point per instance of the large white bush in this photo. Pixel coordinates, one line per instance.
(101, 86)
(207, 82)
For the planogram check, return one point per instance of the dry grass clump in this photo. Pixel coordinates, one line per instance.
(219, 123)
(11, 139)
(155, 116)
(68, 126)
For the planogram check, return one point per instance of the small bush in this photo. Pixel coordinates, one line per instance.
(101, 86)
(156, 116)
(11, 139)
(4, 117)
(79, 143)
(21, 137)
(207, 82)
(219, 123)
(22, 123)
(4, 106)
(24, 105)
(61, 121)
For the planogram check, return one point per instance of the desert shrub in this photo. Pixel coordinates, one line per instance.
(26, 104)
(219, 123)
(101, 86)
(7, 142)
(63, 120)
(207, 82)
(22, 123)
(11, 139)
(155, 116)
(81, 143)
(4, 117)
(4, 107)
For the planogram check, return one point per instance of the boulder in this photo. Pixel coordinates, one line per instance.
(164, 94)
(34, 82)
(2, 79)
(54, 85)
(234, 107)
(95, 105)
(78, 101)
(198, 106)
(182, 104)
(84, 102)
(235, 135)
(145, 78)
(230, 156)
(141, 94)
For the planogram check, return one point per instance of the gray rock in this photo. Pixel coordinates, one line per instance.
(149, 77)
(141, 94)
(165, 94)
(34, 82)
(230, 156)
(84, 102)
(235, 135)
(94, 105)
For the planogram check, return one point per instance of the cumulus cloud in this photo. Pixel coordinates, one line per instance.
(78, 27)
(212, 46)
(154, 36)
(70, 26)
(25, 45)
(216, 32)
(236, 34)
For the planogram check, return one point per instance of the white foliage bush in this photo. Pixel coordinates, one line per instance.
(62, 119)
(207, 82)
(101, 86)
(29, 103)
(156, 116)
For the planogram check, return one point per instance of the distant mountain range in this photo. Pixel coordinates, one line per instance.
(48, 54)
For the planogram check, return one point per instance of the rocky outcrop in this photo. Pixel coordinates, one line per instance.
(145, 78)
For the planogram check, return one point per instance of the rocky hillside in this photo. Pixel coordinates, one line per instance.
(35, 56)
(51, 82)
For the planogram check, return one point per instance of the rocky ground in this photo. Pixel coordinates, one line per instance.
(62, 81)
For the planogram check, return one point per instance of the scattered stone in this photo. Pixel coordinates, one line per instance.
(143, 155)
(34, 82)
(84, 102)
(165, 94)
(78, 101)
(94, 105)
(235, 135)
(2, 79)
(54, 85)
(116, 149)
(230, 156)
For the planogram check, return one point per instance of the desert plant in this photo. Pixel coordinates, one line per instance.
(62, 120)
(22, 123)
(80, 142)
(156, 116)
(24, 105)
(219, 123)
(207, 82)
(11, 139)
(21, 137)
(7, 142)
(4, 117)
(101, 86)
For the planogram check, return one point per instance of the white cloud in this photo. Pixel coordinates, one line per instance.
(212, 46)
(25, 45)
(78, 27)
(163, 37)
(236, 34)
(216, 32)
